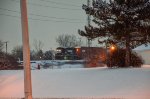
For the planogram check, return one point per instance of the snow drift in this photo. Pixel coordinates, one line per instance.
(129, 83)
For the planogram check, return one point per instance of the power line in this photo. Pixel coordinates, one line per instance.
(53, 20)
(40, 15)
(10, 15)
(53, 17)
(10, 10)
(60, 3)
(38, 19)
(62, 8)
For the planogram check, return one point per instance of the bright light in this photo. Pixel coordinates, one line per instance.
(112, 48)
(58, 50)
(77, 50)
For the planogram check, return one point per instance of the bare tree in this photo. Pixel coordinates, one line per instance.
(38, 45)
(17, 52)
(66, 40)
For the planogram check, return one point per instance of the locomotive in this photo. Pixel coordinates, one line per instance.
(78, 53)
(67, 53)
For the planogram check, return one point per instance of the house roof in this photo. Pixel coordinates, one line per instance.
(143, 47)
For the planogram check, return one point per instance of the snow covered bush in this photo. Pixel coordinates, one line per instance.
(117, 59)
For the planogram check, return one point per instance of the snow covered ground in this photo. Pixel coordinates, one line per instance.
(129, 83)
(56, 64)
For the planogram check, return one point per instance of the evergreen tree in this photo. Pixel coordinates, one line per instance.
(48, 55)
(123, 22)
(40, 55)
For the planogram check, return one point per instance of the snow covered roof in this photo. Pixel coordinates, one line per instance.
(143, 47)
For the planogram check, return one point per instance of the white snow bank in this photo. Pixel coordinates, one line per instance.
(56, 64)
(130, 83)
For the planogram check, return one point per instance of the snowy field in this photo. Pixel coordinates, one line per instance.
(57, 64)
(129, 83)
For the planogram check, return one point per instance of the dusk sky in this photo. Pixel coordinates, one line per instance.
(47, 20)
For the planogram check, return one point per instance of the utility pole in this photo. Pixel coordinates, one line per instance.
(88, 22)
(6, 46)
(26, 51)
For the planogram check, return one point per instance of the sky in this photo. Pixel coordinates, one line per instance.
(46, 20)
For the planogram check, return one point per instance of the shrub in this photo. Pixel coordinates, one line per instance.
(8, 62)
(117, 59)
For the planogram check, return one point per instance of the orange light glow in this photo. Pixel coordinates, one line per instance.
(112, 48)
(77, 50)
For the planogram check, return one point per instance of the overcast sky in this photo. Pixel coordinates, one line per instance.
(47, 20)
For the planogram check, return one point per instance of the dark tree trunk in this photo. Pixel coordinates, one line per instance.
(127, 58)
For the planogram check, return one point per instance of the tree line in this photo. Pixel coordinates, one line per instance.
(63, 40)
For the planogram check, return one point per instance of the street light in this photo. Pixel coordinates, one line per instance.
(112, 48)
(109, 51)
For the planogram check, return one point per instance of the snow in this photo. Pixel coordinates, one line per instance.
(143, 47)
(145, 54)
(56, 64)
(128, 83)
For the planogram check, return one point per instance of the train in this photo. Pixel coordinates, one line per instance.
(67, 53)
(79, 53)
